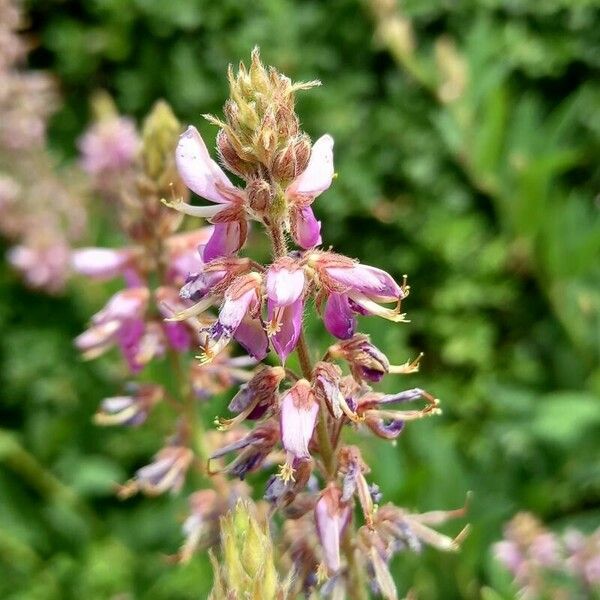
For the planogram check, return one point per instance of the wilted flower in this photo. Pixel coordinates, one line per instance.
(131, 410)
(331, 516)
(166, 473)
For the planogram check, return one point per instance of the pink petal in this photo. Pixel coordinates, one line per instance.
(331, 519)
(374, 283)
(317, 176)
(306, 230)
(284, 286)
(252, 336)
(199, 172)
(285, 340)
(298, 418)
(227, 238)
(233, 310)
(126, 304)
(101, 263)
(338, 317)
(129, 337)
(178, 336)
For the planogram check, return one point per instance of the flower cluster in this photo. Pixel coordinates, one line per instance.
(300, 418)
(42, 217)
(197, 289)
(546, 565)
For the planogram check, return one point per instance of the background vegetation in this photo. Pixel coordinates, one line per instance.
(467, 136)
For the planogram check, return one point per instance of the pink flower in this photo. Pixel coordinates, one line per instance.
(312, 182)
(204, 177)
(352, 288)
(285, 304)
(239, 318)
(331, 518)
(298, 418)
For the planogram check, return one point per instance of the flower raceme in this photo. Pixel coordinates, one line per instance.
(279, 417)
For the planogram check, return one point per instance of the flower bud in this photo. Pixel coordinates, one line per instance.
(292, 159)
(160, 134)
(248, 567)
(260, 195)
(231, 158)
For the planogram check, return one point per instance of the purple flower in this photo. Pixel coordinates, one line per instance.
(165, 473)
(298, 417)
(285, 304)
(239, 318)
(255, 398)
(254, 449)
(204, 177)
(121, 322)
(372, 409)
(351, 289)
(312, 182)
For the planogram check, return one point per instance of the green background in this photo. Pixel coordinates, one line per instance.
(489, 203)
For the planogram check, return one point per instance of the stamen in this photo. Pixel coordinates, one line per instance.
(407, 367)
(194, 211)
(286, 472)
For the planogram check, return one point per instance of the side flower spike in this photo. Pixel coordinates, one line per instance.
(298, 417)
(314, 180)
(285, 304)
(204, 177)
(331, 517)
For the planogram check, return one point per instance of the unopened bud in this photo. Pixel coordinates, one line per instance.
(292, 159)
(248, 569)
(160, 134)
(260, 195)
(231, 156)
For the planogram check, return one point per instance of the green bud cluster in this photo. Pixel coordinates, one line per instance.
(248, 569)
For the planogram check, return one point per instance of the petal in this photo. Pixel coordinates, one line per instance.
(101, 263)
(126, 304)
(284, 286)
(290, 324)
(227, 238)
(233, 310)
(338, 317)
(306, 230)
(298, 421)
(178, 336)
(252, 336)
(317, 176)
(198, 171)
(374, 283)
(129, 337)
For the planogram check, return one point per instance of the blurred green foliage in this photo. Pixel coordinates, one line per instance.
(487, 198)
